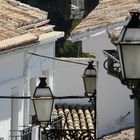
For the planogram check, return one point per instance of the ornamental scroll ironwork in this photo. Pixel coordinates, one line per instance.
(113, 68)
(70, 134)
(55, 131)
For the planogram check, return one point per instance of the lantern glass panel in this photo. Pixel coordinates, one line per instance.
(132, 34)
(41, 92)
(90, 72)
(43, 109)
(121, 60)
(130, 55)
(90, 84)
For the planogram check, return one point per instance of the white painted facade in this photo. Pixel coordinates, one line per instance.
(114, 107)
(113, 102)
(18, 77)
(68, 79)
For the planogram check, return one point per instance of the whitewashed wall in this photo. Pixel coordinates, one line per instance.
(17, 68)
(113, 100)
(68, 80)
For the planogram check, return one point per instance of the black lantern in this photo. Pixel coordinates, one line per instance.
(89, 78)
(128, 46)
(43, 101)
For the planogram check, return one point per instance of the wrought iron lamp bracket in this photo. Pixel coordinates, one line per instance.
(92, 99)
(113, 68)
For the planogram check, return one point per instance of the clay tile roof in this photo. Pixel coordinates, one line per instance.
(75, 116)
(108, 12)
(17, 41)
(126, 134)
(15, 15)
(21, 24)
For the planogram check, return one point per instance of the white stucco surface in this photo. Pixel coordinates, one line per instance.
(17, 69)
(68, 80)
(113, 102)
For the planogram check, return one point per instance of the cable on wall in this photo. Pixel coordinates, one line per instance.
(58, 59)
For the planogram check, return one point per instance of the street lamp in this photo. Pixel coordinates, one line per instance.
(128, 45)
(43, 101)
(128, 64)
(89, 78)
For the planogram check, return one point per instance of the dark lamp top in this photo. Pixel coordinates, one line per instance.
(130, 34)
(90, 65)
(42, 83)
(42, 90)
(135, 19)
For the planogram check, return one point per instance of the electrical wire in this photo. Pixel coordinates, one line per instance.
(58, 59)
(54, 97)
(15, 97)
(53, 58)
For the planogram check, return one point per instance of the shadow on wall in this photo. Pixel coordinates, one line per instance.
(6, 108)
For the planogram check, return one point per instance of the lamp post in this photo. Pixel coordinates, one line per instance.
(43, 101)
(129, 53)
(89, 78)
(128, 49)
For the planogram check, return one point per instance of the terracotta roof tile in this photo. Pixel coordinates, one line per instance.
(75, 116)
(74, 119)
(82, 117)
(126, 134)
(108, 12)
(17, 42)
(18, 20)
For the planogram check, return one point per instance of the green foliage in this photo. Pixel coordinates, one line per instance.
(74, 23)
(70, 49)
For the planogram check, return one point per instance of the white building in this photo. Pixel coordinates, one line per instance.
(68, 79)
(23, 29)
(114, 107)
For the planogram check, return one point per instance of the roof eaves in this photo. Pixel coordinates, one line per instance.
(106, 12)
(17, 42)
(51, 36)
(79, 36)
(22, 41)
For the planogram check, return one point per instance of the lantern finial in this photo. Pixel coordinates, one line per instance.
(42, 83)
(135, 19)
(90, 65)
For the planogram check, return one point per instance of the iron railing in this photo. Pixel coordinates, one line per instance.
(69, 134)
(24, 134)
